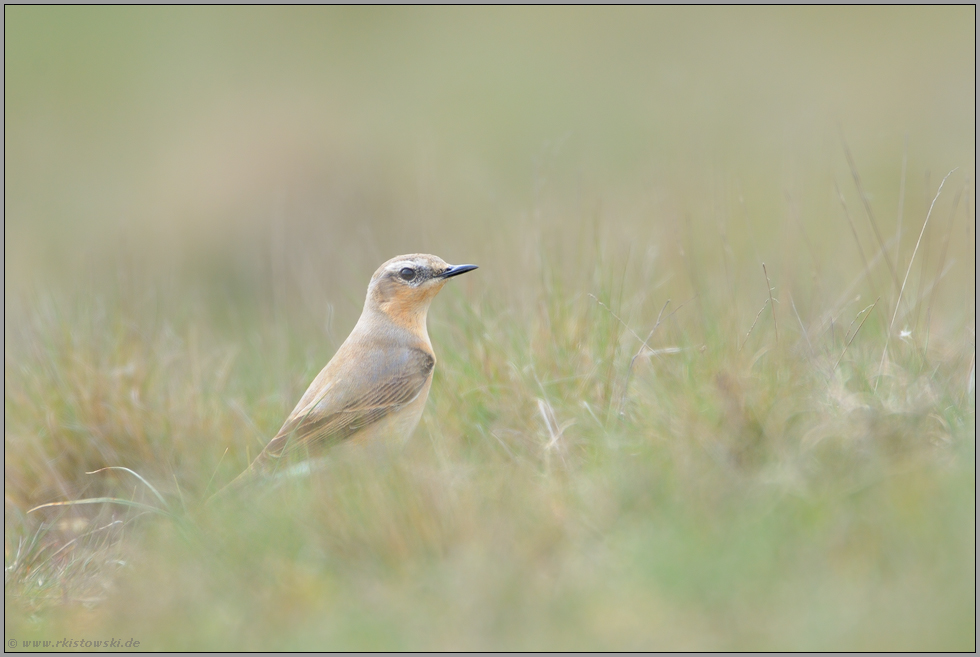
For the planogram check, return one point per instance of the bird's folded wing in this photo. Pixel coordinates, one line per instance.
(385, 386)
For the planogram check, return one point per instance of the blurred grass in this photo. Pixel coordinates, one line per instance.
(196, 198)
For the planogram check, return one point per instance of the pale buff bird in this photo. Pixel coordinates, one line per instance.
(376, 385)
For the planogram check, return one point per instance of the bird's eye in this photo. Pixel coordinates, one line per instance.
(407, 274)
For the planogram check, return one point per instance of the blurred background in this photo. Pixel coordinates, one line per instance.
(267, 145)
(196, 197)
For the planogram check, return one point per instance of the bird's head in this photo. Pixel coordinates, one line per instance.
(403, 287)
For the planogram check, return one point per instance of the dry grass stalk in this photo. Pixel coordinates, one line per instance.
(772, 304)
(868, 309)
(754, 322)
(802, 327)
(867, 207)
(850, 222)
(629, 370)
(898, 303)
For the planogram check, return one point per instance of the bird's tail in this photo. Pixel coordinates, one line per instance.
(247, 478)
(265, 466)
(222, 493)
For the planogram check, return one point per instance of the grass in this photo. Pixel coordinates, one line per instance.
(639, 436)
(739, 494)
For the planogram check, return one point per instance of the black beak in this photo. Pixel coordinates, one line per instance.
(456, 270)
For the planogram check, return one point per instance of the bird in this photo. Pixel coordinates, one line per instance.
(377, 383)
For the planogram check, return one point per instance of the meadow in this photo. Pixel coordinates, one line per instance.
(712, 387)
